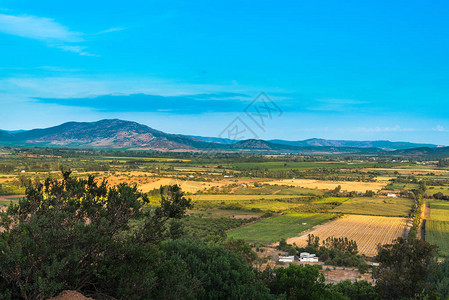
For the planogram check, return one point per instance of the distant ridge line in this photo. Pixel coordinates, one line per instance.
(120, 134)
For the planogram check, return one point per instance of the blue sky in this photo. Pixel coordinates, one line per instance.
(337, 69)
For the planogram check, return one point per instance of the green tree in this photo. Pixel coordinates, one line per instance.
(212, 272)
(299, 282)
(369, 193)
(404, 268)
(442, 163)
(438, 195)
(440, 279)
(359, 290)
(241, 247)
(75, 234)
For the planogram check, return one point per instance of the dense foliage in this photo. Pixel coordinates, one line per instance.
(299, 282)
(335, 251)
(202, 227)
(74, 234)
(404, 268)
(80, 234)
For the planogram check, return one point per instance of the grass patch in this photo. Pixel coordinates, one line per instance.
(281, 165)
(278, 190)
(199, 227)
(272, 203)
(279, 227)
(439, 210)
(229, 213)
(437, 232)
(263, 205)
(438, 189)
(151, 159)
(395, 207)
(232, 197)
(332, 200)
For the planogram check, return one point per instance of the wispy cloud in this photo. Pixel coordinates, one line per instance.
(188, 104)
(75, 49)
(113, 29)
(396, 128)
(94, 86)
(332, 105)
(46, 30)
(439, 128)
(43, 29)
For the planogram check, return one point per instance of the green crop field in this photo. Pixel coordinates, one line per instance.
(439, 210)
(437, 227)
(230, 213)
(397, 207)
(6, 200)
(276, 228)
(124, 159)
(396, 186)
(438, 189)
(437, 232)
(262, 205)
(300, 165)
(297, 190)
(275, 189)
(332, 200)
(232, 197)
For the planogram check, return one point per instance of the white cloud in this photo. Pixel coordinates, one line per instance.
(334, 104)
(439, 128)
(43, 29)
(73, 87)
(113, 29)
(75, 49)
(396, 128)
(47, 30)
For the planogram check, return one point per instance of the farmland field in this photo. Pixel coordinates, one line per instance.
(367, 231)
(276, 228)
(332, 200)
(187, 186)
(439, 210)
(305, 165)
(125, 159)
(231, 213)
(297, 189)
(231, 197)
(437, 227)
(399, 207)
(330, 185)
(275, 205)
(438, 189)
(6, 200)
(272, 189)
(437, 232)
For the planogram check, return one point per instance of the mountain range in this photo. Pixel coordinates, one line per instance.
(119, 134)
(102, 134)
(386, 145)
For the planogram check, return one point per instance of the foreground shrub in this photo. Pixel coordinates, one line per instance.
(74, 234)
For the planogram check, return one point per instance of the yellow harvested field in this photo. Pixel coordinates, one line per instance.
(186, 186)
(330, 185)
(146, 183)
(384, 178)
(3, 180)
(367, 231)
